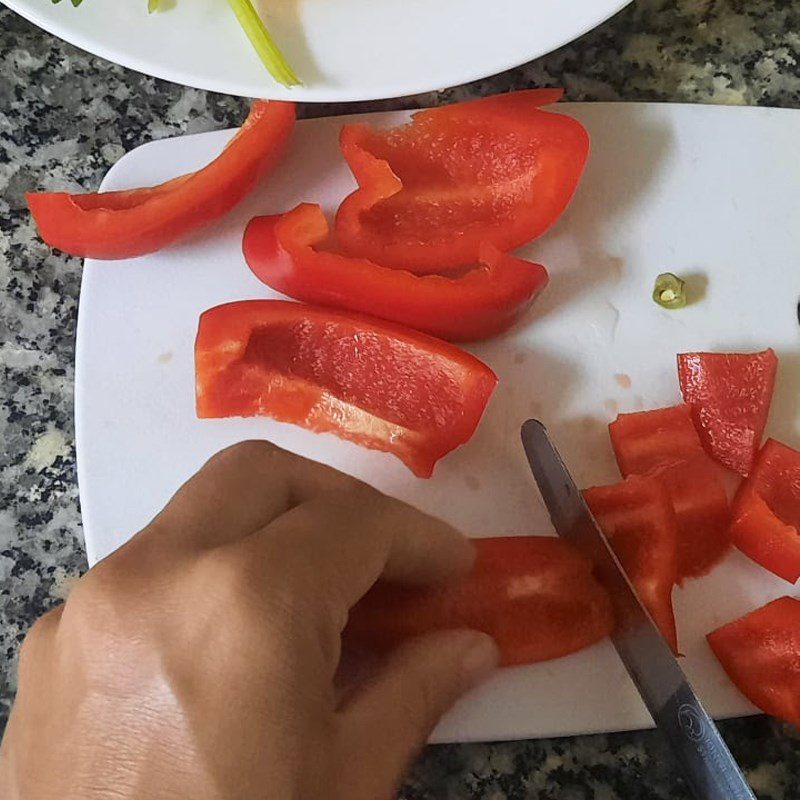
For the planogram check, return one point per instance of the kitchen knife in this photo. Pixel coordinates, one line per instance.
(709, 768)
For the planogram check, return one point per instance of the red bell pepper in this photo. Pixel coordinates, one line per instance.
(702, 511)
(761, 654)
(431, 192)
(124, 224)
(766, 511)
(637, 517)
(374, 383)
(730, 395)
(647, 440)
(481, 303)
(664, 443)
(536, 596)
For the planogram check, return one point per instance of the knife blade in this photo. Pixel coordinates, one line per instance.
(709, 768)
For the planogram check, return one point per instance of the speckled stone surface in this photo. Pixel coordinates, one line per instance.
(66, 117)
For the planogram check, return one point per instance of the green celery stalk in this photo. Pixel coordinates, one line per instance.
(263, 42)
(257, 33)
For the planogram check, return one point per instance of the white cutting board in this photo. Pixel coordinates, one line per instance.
(689, 189)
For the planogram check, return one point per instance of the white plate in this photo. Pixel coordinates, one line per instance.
(342, 49)
(689, 189)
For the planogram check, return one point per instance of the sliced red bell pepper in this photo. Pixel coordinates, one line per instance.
(375, 383)
(647, 440)
(481, 303)
(536, 596)
(637, 517)
(701, 506)
(766, 511)
(730, 395)
(761, 654)
(124, 224)
(664, 443)
(497, 170)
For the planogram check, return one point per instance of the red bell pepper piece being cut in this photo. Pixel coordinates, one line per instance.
(730, 395)
(649, 440)
(536, 596)
(372, 382)
(481, 303)
(761, 654)
(766, 511)
(664, 444)
(431, 192)
(638, 519)
(110, 225)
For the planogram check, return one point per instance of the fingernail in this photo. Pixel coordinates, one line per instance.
(480, 659)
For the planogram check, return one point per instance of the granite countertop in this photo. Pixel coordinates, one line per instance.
(66, 117)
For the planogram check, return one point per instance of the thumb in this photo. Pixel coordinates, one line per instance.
(389, 720)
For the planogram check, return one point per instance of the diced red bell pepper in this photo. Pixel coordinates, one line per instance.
(730, 395)
(372, 382)
(110, 225)
(701, 506)
(637, 517)
(431, 192)
(761, 654)
(536, 596)
(766, 511)
(481, 303)
(664, 443)
(647, 440)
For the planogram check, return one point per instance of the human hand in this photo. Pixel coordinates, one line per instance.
(199, 660)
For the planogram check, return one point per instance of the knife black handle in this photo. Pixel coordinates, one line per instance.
(709, 768)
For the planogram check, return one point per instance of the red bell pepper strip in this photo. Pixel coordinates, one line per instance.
(766, 511)
(730, 395)
(637, 517)
(648, 440)
(495, 170)
(664, 444)
(761, 654)
(535, 595)
(111, 225)
(481, 303)
(372, 382)
(701, 508)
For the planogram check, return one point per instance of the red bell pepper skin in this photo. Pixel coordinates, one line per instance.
(535, 595)
(761, 654)
(701, 506)
(639, 522)
(766, 511)
(664, 444)
(497, 170)
(482, 303)
(113, 225)
(730, 395)
(648, 440)
(372, 382)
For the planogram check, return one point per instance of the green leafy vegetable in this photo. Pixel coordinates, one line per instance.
(263, 42)
(670, 291)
